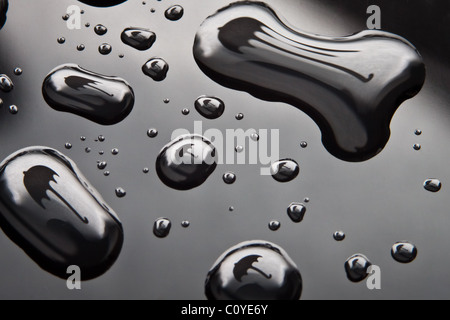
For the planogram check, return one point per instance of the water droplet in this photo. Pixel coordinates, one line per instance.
(306, 200)
(274, 225)
(68, 218)
(185, 224)
(152, 10)
(87, 149)
(254, 136)
(231, 209)
(174, 13)
(83, 138)
(239, 149)
(101, 152)
(120, 192)
(303, 144)
(68, 146)
(115, 151)
(102, 3)
(105, 48)
(102, 165)
(285, 170)
(339, 236)
(418, 132)
(6, 84)
(144, 3)
(210, 107)
(81, 47)
(4, 4)
(156, 68)
(185, 111)
(432, 185)
(103, 99)
(229, 178)
(121, 56)
(138, 38)
(101, 138)
(161, 227)
(106, 173)
(417, 147)
(356, 267)
(152, 133)
(13, 109)
(1, 102)
(87, 24)
(246, 46)
(65, 17)
(239, 116)
(18, 71)
(404, 252)
(186, 162)
(100, 29)
(61, 40)
(166, 101)
(254, 270)
(296, 211)
(146, 170)
(82, 12)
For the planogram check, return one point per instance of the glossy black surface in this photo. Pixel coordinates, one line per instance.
(49, 210)
(3, 11)
(350, 86)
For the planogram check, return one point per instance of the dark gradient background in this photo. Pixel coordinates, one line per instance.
(377, 202)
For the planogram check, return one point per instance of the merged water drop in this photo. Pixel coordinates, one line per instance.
(210, 107)
(103, 99)
(174, 13)
(161, 227)
(356, 267)
(138, 38)
(186, 162)
(285, 170)
(404, 252)
(254, 270)
(156, 68)
(247, 47)
(6, 84)
(49, 209)
(296, 211)
(432, 185)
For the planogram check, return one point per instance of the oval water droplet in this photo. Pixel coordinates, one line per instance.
(210, 107)
(185, 224)
(161, 227)
(120, 192)
(274, 225)
(3, 10)
(18, 71)
(254, 270)
(102, 3)
(285, 170)
(55, 216)
(246, 46)
(339, 236)
(138, 38)
(229, 178)
(186, 162)
(100, 29)
(13, 109)
(152, 133)
(103, 99)
(356, 267)
(6, 84)
(404, 252)
(174, 13)
(105, 48)
(102, 165)
(61, 40)
(296, 211)
(156, 68)
(432, 185)
(239, 116)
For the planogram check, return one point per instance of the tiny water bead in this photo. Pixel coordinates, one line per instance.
(115, 151)
(13, 109)
(82, 138)
(121, 55)
(156, 68)
(87, 24)
(100, 29)
(229, 178)
(6, 84)
(174, 13)
(239, 149)
(209, 107)
(68, 146)
(161, 227)
(432, 185)
(146, 170)
(88, 150)
(61, 40)
(239, 116)
(18, 71)
(101, 152)
(105, 48)
(296, 211)
(357, 267)
(81, 47)
(254, 270)
(254, 136)
(101, 138)
(304, 144)
(418, 132)
(231, 208)
(102, 165)
(306, 200)
(285, 170)
(106, 173)
(185, 224)
(404, 252)
(274, 225)
(152, 133)
(185, 111)
(166, 101)
(120, 192)
(65, 17)
(417, 147)
(138, 38)
(1, 102)
(339, 236)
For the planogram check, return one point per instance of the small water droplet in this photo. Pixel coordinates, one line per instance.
(87, 24)
(65, 17)
(68, 145)
(231, 209)
(404, 252)
(102, 165)
(432, 185)
(82, 11)
(285, 170)
(339, 236)
(166, 101)
(156, 68)
(254, 136)
(417, 147)
(101, 138)
(146, 170)
(13, 109)
(152, 133)
(303, 144)
(356, 267)
(306, 200)
(115, 151)
(6, 84)
(161, 227)
(87, 149)
(296, 211)
(61, 40)
(174, 13)
(105, 48)
(120, 192)
(239, 116)
(185, 111)
(121, 56)
(100, 29)
(239, 149)
(106, 173)
(83, 138)
(418, 132)
(274, 225)
(185, 224)
(152, 10)
(1, 102)
(229, 178)
(18, 71)
(81, 47)
(138, 38)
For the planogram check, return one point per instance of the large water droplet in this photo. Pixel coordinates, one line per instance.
(186, 162)
(161, 227)
(156, 68)
(6, 84)
(103, 99)
(210, 107)
(55, 216)
(404, 252)
(296, 211)
(100, 29)
(285, 170)
(254, 270)
(356, 267)
(138, 38)
(432, 185)
(174, 13)
(229, 178)
(3, 10)
(247, 47)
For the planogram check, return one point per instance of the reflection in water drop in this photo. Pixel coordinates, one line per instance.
(339, 236)
(254, 137)
(61, 40)
(115, 151)
(356, 267)
(404, 252)
(18, 71)
(185, 224)
(239, 149)
(274, 225)
(156, 68)
(306, 200)
(138, 38)
(152, 133)
(166, 101)
(239, 116)
(285, 170)
(6, 84)
(417, 147)
(185, 111)
(82, 138)
(418, 132)
(254, 270)
(186, 162)
(161, 227)
(105, 48)
(303, 144)
(246, 46)
(432, 185)
(229, 178)
(87, 149)
(209, 107)
(81, 47)
(231, 209)
(87, 25)
(65, 17)
(13, 109)
(101, 138)
(106, 173)
(102, 165)
(146, 170)
(120, 192)
(174, 13)
(102, 99)
(100, 29)
(296, 211)
(68, 145)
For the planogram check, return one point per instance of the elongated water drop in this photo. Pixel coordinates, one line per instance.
(432, 185)
(156, 68)
(174, 13)
(404, 252)
(210, 107)
(138, 38)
